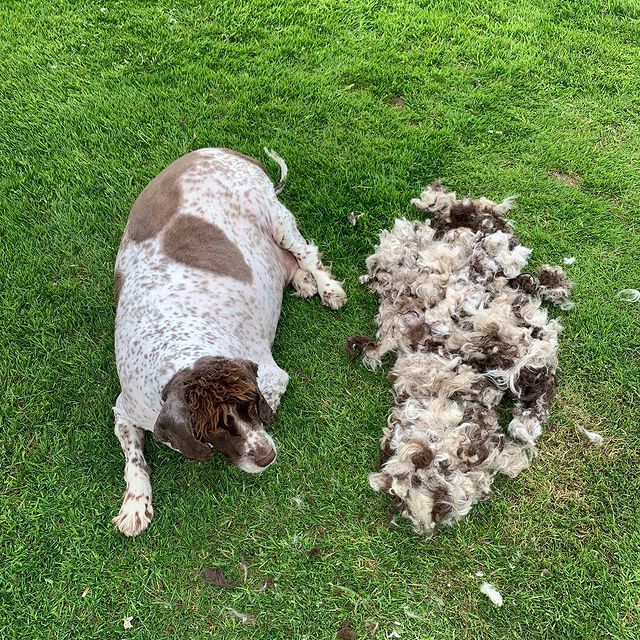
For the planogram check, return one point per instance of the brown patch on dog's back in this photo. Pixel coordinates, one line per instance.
(245, 157)
(119, 283)
(159, 200)
(197, 243)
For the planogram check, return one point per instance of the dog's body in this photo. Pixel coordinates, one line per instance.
(205, 257)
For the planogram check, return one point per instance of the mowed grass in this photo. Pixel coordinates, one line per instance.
(367, 101)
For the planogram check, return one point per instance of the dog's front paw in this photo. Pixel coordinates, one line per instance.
(333, 295)
(135, 515)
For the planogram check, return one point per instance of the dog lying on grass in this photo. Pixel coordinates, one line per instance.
(205, 257)
(469, 333)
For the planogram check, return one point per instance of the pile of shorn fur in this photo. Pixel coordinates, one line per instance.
(469, 333)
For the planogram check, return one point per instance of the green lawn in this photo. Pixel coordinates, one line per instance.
(367, 101)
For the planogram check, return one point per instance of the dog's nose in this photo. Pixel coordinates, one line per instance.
(265, 459)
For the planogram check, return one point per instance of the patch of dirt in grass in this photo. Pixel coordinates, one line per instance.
(569, 180)
(214, 575)
(346, 631)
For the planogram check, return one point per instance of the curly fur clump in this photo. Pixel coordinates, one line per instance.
(469, 333)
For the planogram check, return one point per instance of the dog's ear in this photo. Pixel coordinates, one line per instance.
(251, 369)
(265, 412)
(173, 426)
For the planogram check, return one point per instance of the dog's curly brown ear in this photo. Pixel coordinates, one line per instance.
(173, 426)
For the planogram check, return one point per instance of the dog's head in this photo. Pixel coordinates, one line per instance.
(217, 404)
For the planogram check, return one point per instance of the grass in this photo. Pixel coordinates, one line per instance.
(367, 101)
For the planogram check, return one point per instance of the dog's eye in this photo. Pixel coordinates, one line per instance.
(230, 425)
(246, 412)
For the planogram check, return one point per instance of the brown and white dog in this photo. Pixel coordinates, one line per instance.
(204, 260)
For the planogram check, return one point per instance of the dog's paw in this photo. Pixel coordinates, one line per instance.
(135, 515)
(333, 295)
(304, 284)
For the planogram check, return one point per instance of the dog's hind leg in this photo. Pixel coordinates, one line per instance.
(304, 284)
(286, 234)
(136, 511)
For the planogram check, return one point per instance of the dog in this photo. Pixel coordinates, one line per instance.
(206, 254)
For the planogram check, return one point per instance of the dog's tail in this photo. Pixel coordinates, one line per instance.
(283, 169)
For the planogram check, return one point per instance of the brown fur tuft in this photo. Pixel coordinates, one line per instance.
(536, 383)
(525, 282)
(357, 345)
(473, 215)
(210, 393)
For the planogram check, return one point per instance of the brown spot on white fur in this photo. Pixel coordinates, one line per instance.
(203, 245)
(119, 283)
(159, 201)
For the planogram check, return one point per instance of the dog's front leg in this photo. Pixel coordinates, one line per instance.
(272, 382)
(136, 511)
